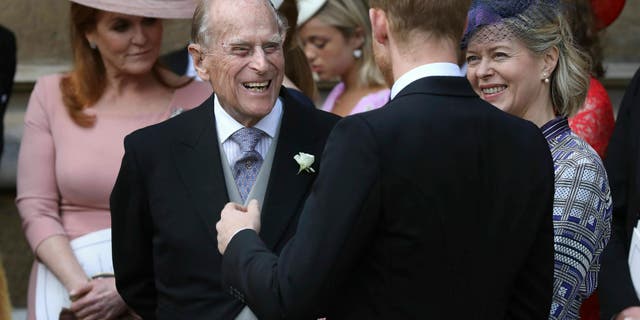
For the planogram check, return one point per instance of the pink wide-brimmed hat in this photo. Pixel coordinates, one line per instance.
(162, 9)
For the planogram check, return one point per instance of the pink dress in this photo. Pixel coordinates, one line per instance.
(369, 102)
(66, 172)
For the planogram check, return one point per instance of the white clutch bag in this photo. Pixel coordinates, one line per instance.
(93, 251)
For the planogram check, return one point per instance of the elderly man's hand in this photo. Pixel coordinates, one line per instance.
(234, 218)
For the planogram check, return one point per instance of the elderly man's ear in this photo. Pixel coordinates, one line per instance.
(197, 53)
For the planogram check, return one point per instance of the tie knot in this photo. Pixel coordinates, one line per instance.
(247, 138)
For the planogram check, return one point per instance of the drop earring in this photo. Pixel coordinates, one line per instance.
(545, 78)
(357, 53)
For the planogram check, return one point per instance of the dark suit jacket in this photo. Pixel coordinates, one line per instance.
(7, 72)
(168, 198)
(435, 206)
(177, 61)
(615, 288)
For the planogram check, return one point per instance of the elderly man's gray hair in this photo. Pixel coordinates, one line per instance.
(200, 33)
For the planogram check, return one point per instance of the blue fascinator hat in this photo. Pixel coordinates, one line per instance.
(484, 13)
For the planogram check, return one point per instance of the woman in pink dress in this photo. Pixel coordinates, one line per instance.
(336, 37)
(72, 145)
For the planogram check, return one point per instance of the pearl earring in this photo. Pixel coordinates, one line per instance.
(357, 53)
(545, 78)
(92, 45)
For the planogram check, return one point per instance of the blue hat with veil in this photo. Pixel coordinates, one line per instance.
(504, 15)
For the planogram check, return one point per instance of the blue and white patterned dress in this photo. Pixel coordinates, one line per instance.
(581, 218)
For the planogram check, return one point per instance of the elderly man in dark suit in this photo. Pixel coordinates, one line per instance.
(436, 206)
(240, 144)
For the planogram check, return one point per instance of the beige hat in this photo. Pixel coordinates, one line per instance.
(162, 9)
(307, 9)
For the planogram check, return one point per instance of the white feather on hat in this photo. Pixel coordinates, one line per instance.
(307, 9)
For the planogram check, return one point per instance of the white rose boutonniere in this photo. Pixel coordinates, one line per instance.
(305, 161)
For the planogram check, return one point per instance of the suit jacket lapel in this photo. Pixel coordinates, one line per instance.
(200, 167)
(287, 189)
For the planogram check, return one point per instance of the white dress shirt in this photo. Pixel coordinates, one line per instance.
(226, 126)
(425, 70)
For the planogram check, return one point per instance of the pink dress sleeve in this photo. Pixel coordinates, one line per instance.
(369, 102)
(37, 192)
(372, 101)
(59, 189)
(332, 97)
(191, 96)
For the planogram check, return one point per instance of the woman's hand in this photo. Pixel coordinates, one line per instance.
(99, 301)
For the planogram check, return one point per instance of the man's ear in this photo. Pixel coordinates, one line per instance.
(197, 54)
(379, 25)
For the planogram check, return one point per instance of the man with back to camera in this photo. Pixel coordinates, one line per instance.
(437, 205)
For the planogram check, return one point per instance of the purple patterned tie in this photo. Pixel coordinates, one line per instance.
(247, 167)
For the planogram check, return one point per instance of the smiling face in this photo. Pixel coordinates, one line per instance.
(244, 62)
(508, 75)
(127, 44)
(329, 52)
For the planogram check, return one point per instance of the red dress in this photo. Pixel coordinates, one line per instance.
(594, 123)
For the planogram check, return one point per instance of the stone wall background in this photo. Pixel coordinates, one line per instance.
(42, 32)
(41, 27)
(622, 37)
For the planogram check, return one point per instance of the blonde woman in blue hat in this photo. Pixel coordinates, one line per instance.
(336, 37)
(72, 147)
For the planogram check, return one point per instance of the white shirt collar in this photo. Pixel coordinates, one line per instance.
(226, 125)
(425, 70)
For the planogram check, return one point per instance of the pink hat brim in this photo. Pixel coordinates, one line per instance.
(162, 9)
